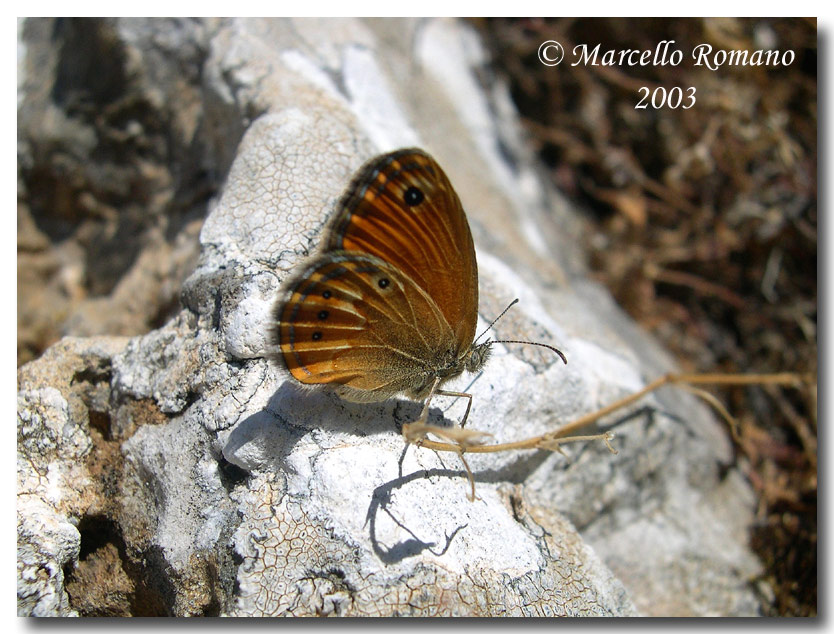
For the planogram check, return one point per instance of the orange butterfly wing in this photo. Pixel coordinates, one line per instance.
(402, 208)
(353, 321)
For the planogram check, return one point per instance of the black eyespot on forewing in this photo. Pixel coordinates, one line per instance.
(323, 314)
(383, 282)
(413, 196)
(316, 336)
(327, 294)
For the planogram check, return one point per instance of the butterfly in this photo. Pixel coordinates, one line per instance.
(388, 304)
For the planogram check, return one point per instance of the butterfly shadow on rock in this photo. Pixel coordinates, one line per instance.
(381, 502)
(293, 412)
(265, 440)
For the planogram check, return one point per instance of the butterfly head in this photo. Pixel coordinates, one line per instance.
(454, 362)
(478, 356)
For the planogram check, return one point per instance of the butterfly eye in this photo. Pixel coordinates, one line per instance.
(384, 282)
(413, 196)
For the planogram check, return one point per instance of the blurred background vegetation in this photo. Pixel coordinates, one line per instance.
(703, 224)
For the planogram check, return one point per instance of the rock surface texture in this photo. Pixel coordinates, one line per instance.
(179, 472)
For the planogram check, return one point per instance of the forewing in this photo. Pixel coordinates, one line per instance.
(429, 240)
(353, 320)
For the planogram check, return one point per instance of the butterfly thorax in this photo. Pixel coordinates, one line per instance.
(450, 365)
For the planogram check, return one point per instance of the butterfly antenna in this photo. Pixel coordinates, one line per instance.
(533, 343)
(492, 323)
(529, 343)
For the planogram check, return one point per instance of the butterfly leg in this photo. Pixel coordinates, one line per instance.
(419, 429)
(462, 395)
